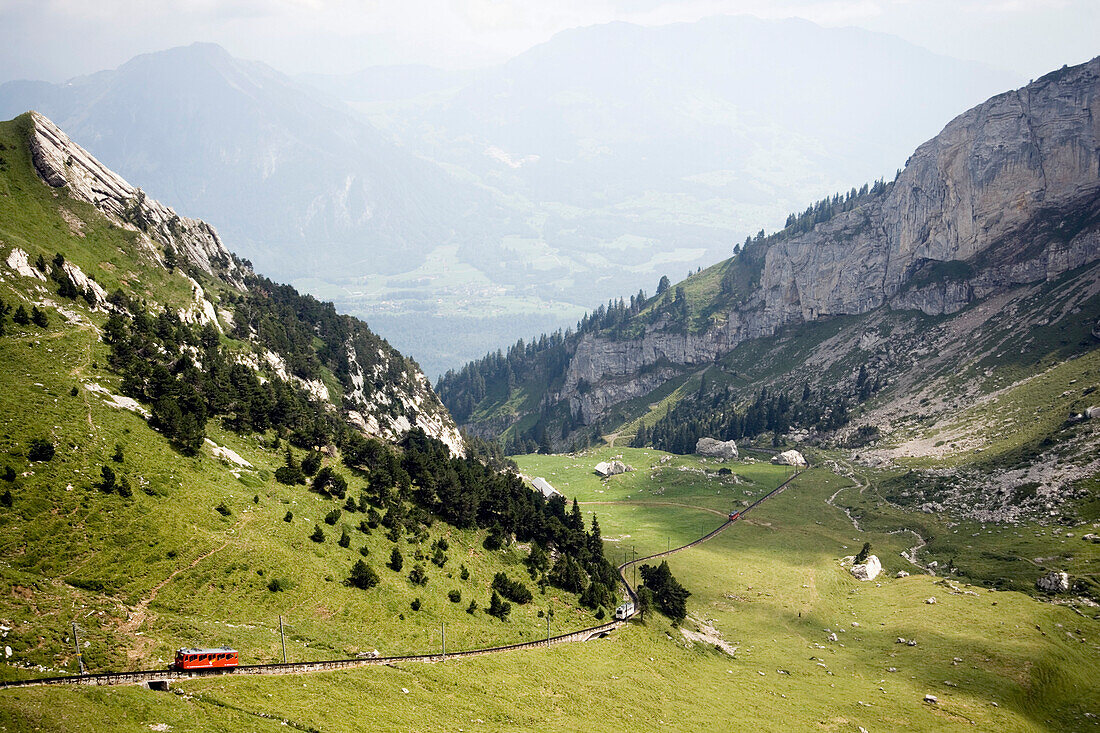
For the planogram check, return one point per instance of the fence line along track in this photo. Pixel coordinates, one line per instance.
(164, 676)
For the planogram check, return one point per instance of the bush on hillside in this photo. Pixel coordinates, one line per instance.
(362, 576)
(40, 449)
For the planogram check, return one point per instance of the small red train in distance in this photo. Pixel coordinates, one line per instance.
(734, 515)
(206, 658)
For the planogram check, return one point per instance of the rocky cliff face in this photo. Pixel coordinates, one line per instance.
(385, 398)
(1007, 194)
(63, 163)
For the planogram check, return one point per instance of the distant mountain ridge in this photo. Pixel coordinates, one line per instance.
(514, 195)
(1008, 195)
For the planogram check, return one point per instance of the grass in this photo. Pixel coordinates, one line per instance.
(192, 557)
(771, 585)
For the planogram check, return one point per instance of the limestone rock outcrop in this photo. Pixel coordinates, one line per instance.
(713, 448)
(611, 468)
(1007, 194)
(1053, 582)
(789, 458)
(867, 570)
(62, 163)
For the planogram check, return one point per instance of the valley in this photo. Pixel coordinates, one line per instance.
(851, 472)
(770, 586)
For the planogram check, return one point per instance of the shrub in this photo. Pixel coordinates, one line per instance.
(6, 499)
(108, 481)
(364, 527)
(439, 558)
(397, 560)
(470, 609)
(332, 517)
(668, 594)
(289, 517)
(74, 392)
(40, 450)
(289, 475)
(9, 473)
(345, 538)
(223, 509)
(277, 585)
(364, 550)
(21, 317)
(118, 456)
(417, 576)
(311, 463)
(362, 576)
(513, 590)
(495, 539)
(463, 572)
(415, 605)
(455, 596)
(124, 489)
(499, 608)
(318, 534)
(39, 318)
(863, 553)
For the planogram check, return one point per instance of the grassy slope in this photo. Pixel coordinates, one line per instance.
(209, 573)
(771, 585)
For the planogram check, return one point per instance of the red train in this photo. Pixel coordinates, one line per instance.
(206, 658)
(734, 515)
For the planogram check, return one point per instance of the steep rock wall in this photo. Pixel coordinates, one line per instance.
(1007, 194)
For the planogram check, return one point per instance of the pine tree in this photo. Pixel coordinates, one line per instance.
(397, 560)
(363, 576)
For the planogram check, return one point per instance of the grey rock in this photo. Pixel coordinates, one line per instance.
(868, 570)
(63, 163)
(1053, 582)
(789, 458)
(974, 212)
(726, 449)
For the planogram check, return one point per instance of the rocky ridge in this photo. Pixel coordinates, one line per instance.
(1007, 194)
(384, 399)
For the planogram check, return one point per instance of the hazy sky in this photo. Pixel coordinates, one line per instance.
(57, 39)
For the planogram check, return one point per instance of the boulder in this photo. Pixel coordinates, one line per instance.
(931, 698)
(930, 600)
(1053, 582)
(902, 574)
(725, 449)
(789, 458)
(612, 468)
(868, 570)
(1092, 412)
(19, 261)
(832, 636)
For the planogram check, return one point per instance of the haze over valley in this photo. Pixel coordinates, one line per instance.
(483, 366)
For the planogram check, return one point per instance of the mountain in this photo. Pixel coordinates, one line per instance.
(354, 370)
(483, 206)
(650, 149)
(190, 450)
(296, 181)
(893, 309)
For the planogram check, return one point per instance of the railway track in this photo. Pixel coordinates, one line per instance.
(710, 535)
(160, 678)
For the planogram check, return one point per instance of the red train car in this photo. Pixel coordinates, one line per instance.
(734, 515)
(206, 658)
